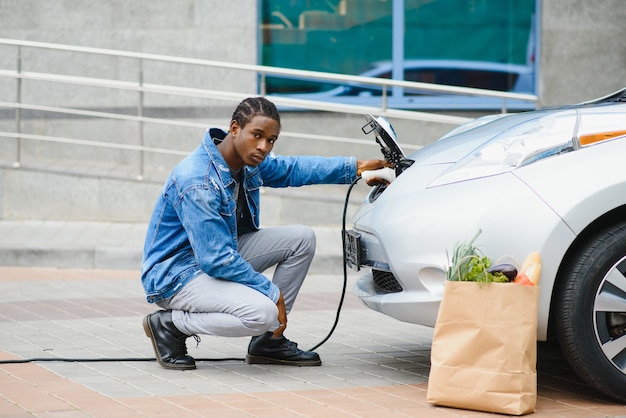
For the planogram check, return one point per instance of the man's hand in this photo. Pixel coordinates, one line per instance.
(368, 165)
(282, 317)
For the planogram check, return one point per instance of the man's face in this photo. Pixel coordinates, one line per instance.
(255, 140)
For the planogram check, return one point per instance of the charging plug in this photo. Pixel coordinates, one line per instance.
(386, 173)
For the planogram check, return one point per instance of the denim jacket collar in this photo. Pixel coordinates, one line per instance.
(212, 138)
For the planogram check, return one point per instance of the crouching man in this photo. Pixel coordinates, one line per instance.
(205, 253)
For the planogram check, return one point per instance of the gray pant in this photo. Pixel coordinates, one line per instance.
(211, 306)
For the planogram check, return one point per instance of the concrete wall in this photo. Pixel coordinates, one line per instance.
(207, 29)
(203, 29)
(583, 53)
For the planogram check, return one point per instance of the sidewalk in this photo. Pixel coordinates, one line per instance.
(374, 366)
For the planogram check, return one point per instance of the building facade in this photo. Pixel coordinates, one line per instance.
(581, 53)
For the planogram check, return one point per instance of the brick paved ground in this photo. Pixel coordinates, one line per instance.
(373, 366)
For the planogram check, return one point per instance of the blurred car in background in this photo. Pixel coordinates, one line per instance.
(476, 74)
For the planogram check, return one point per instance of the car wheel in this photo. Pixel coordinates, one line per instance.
(590, 309)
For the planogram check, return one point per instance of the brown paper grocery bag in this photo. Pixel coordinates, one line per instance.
(484, 350)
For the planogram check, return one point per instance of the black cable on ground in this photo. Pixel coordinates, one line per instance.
(102, 360)
(137, 359)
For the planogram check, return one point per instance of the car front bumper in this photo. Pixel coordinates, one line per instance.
(411, 229)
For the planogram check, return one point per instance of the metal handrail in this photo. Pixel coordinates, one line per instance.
(277, 71)
(230, 96)
(117, 116)
(141, 87)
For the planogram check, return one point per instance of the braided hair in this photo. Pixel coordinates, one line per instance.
(255, 106)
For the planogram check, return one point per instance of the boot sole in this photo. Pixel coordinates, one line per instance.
(148, 330)
(266, 360)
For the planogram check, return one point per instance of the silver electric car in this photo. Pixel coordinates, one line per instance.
(551, 180)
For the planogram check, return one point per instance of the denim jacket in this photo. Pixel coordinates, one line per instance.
(193, 228)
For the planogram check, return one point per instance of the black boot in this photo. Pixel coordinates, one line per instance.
(168, 342)
(264, 349)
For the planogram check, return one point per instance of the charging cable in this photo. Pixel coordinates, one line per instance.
(345, 268)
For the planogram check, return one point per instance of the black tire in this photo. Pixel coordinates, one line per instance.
(590, 312)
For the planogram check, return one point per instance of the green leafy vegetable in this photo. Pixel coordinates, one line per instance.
(470, 265)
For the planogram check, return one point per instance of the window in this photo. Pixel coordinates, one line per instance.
(473, 43)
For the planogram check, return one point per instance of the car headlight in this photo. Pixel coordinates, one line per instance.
(517, 146)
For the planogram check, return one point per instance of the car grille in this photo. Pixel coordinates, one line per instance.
(385, 282)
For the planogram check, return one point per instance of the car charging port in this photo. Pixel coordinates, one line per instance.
(387, 139)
